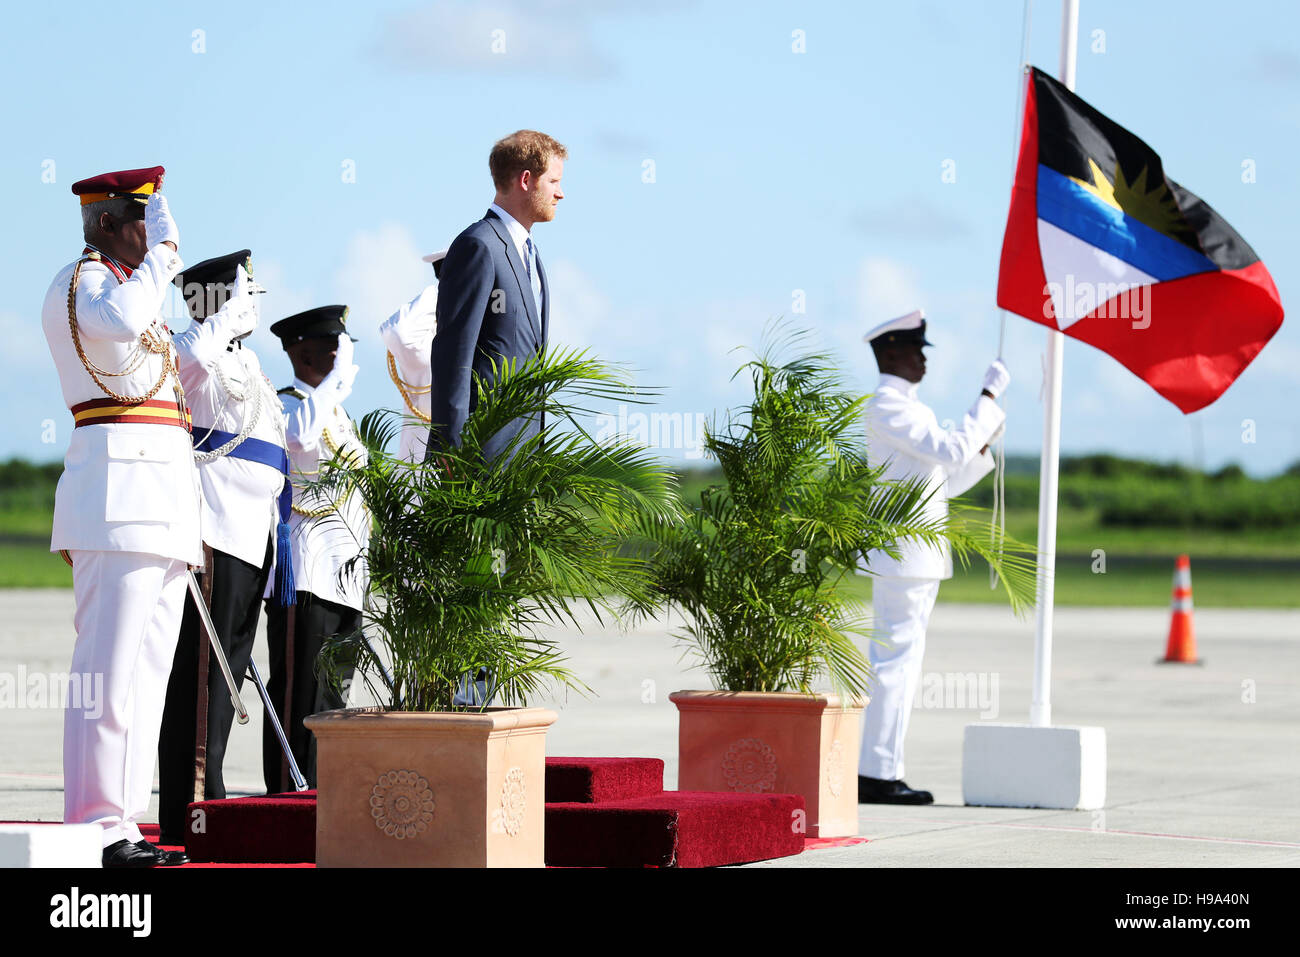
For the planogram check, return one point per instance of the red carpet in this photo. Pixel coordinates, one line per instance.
(150, 833)
(594, 780)
(818, 843)
(266, 829)
(674, 829)
(600, 812)
(614, 812)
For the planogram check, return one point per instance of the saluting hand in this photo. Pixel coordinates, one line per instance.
(159, 227)
(343, 366)
(241, 311)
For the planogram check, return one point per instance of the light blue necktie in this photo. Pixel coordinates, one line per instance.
(534, 279)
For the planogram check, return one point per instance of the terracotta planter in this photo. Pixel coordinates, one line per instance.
(412, 789)
(783, 743)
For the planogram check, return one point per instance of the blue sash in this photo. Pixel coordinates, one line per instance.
(269, 454)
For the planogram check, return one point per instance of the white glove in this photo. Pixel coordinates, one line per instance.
(997, 378)
(239, 316)
(343, 352)
(344, 372)
(426, 303)
(159, 227)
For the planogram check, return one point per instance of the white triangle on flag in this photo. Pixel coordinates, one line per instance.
(1081, 277)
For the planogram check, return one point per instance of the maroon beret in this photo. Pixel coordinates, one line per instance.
(138, 184)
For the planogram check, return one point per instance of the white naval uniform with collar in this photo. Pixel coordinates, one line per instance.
(904, 433)
(323, 545)
(239, 497)
(408, 336)
(127, 511)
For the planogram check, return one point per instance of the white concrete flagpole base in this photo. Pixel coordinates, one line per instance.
(1020, 765)
(51, 845)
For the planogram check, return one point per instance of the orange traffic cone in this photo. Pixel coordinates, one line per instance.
(1181, 647)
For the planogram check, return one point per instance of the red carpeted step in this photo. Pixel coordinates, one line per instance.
(675, 829)
(596, 780)
(266, 829)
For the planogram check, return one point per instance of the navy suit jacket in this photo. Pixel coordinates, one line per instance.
(485, 313)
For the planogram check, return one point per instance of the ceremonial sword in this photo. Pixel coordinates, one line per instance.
(241, 713)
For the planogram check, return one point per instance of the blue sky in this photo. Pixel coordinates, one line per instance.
(774, 171)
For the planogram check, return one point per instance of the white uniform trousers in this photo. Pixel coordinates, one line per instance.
(901, 608)
(128, 619)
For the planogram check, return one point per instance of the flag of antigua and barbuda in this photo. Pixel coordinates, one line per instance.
(1103, 246)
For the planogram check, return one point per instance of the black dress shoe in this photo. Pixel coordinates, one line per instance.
(125, 854)
(878, 791)
(165, 858)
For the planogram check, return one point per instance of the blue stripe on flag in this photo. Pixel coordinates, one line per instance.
(1068, 206)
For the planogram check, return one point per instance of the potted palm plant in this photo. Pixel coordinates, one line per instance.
(756, 570)
(468, 557)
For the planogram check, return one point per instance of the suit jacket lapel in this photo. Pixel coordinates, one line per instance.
(546, 302)
(521, 274)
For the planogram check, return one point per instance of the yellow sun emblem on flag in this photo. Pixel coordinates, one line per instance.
(1155, 207)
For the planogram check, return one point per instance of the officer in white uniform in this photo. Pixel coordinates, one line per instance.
(126, 512)
(239, 444)
(903, 433)
(408, 337)
(327, 532)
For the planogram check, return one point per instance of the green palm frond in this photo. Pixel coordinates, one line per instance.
(756, 564)
(470, 557)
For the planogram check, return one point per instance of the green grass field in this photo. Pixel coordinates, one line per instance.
(25, 557)
(1259, 569)
(1142, 582)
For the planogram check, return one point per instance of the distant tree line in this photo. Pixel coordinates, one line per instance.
(1124, 492)
(1133, 493)
(1137, 494)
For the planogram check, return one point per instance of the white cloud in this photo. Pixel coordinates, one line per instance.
(496, 38)
(379, 270)
(24, 343)
(911, 218)
(580, 312)
(886, 288)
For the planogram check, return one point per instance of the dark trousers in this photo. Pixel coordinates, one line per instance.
(236, 601)
(315, 620)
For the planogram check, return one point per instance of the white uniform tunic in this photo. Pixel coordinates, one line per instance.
(125, 486)
(408, 336)
(323, 545)
(225, 388)
(904, 433)
(127, 511)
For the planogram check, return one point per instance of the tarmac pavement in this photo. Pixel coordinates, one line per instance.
(1204, 760)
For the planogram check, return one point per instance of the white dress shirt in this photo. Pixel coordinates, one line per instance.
(324, 544)
(516, 231)
(408, 336)
(125, 486)
(904, 434)
(240, 498)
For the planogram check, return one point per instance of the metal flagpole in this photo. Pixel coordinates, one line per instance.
(1040, 711)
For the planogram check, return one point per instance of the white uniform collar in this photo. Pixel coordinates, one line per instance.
(899, 384)
(302, 386)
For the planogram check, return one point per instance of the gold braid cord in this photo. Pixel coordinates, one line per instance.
(149, 342)
(333, 447)
(407, 390)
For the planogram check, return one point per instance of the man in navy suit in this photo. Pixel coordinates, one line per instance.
(493, 298)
